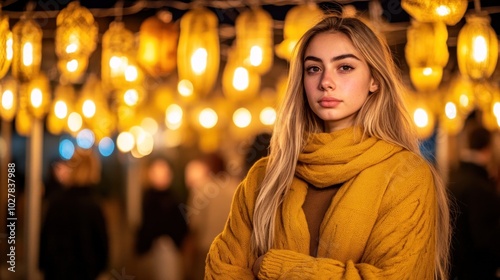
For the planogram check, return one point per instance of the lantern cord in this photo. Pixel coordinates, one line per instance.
(477, 6)
(119, 8)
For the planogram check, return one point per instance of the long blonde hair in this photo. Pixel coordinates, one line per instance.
(383, 116)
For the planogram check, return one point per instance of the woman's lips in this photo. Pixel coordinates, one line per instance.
(329, 102)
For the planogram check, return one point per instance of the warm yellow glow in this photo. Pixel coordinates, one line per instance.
(131, 97)
(28, 54)
(149, 125)
(131, 73)
(241, 79)
(443, 10)
(242, 117)
(173, 116)
(7, 99)
(88, 108)
(268, 116)
(427, 71)
(256, 56)
(464, 100)
(72, 65)
(125, 141)
(36, 98)
(496, 109)
(118, 64)
(144, 143)
(208, 118)
(479, 49)
(199, 61)
(61, 109)
(75, 122)
(71, 48)
(421, 118)
(10, 52)
(450, 110)
(185, 88)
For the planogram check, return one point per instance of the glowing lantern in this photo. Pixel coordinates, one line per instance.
(118, 68)
(6, 51)
(254, 39)
(448, 11)
(298, 20)
(239, 83)
(462, 94)
(158, 44)
(477, 47)
(61, 108)
(8, 99)
(39, 96)
(27, 47)
(76, 37)
(421, 113)
(23, 118)
(450, 117)
(426, 67)
(198, 50)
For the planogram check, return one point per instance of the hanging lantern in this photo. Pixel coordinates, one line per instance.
(421, 112)
(118, 68)
(198, 50)
(426, 67)
(477, 47)
(23, 119)
(239, 83)
(298, 20)
(158, 44)
(27, 47)
(6, 52)
(60, 109)
(254, 39)
(450, 117)
(448, 11)
(462, 94)
(8, 99)
(39, 96)
(76, 38)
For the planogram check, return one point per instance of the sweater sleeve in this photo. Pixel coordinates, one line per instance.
(400, 246)
(230, 255)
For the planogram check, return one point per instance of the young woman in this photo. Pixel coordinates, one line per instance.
(344, 193)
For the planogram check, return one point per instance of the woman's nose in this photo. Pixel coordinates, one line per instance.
(326, 82)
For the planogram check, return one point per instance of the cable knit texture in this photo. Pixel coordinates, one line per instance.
(380, 224)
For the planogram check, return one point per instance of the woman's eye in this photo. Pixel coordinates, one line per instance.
(312, 69)
(346, 68)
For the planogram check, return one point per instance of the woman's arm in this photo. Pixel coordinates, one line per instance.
(400, 246)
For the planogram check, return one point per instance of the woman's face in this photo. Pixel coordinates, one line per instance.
(337, 79)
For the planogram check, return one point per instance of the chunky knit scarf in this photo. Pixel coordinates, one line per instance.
(333, 158)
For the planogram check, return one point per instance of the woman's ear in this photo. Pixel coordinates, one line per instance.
(373, 86)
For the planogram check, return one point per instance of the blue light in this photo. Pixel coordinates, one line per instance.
(106, 146)
(66, 149)
(85, 139)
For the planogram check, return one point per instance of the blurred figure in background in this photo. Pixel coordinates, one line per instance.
(211, 190)
(74, 240)
(476, 242)
(163, 227)
(257, 150)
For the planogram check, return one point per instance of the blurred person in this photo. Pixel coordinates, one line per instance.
(163, 228)
(258, 149)
(476, 242)
(345, 192)
(211, 190)
(74, 239)
(58, 175)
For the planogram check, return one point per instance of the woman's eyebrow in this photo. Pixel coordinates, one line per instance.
(336, 58)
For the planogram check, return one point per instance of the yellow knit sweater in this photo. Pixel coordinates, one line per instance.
(380, 224)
